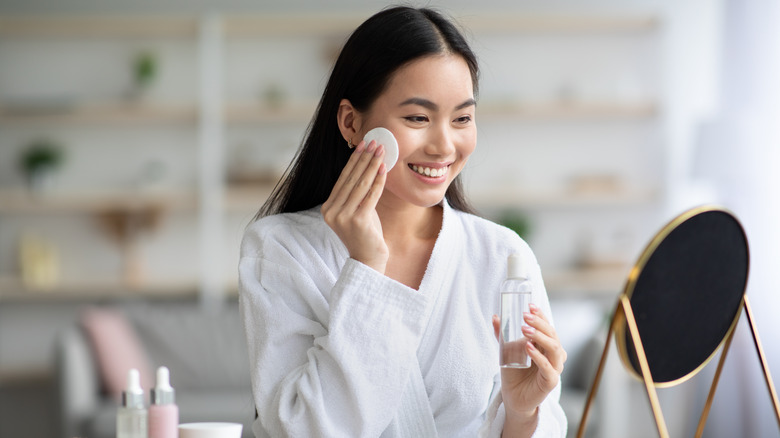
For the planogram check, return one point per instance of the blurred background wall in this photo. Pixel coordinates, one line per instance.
(138, 138)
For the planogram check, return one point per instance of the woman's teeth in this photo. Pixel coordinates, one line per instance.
(427, 171)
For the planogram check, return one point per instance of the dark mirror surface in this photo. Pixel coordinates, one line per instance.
(688, 294)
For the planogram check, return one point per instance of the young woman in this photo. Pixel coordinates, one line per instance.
(368, 297)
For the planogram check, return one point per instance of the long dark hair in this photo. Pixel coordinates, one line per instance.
(381, 45)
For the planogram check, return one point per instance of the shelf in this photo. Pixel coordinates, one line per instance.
(13, 289)
(489, 22)
(305, 24)
(477, 21)
(336, 24)
(246, 197)
(259, 113)
(606, 281)
(293, 112)
(24, 202)
(250, 197)
(120, 113)
(97, 26)
(560, 199)
(566, 110)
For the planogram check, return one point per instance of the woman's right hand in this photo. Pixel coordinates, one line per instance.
(350, 210)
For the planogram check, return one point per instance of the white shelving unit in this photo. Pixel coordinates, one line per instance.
(225, 115)
(101, 132)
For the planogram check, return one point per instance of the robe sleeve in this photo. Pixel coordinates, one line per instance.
(334, 366)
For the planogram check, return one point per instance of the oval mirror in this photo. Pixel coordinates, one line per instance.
(686, 294)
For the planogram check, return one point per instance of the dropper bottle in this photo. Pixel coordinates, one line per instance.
(131, 418)
(163, 412)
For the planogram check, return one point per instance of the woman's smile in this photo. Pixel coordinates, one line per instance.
(432, 173)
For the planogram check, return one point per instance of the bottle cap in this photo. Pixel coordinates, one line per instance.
(515, 267)
(163, 393)
(133, 395)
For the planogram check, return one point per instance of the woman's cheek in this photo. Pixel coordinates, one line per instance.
(468, 142)
(406, 143)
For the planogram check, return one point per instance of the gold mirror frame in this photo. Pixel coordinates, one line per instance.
(623, 321)
(633, 278)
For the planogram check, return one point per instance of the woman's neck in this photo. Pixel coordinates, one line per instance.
(410, 232)
(404, 222)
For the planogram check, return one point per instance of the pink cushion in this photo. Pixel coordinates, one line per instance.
(117, 349)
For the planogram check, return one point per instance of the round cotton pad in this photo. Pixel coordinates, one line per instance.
(385, 138)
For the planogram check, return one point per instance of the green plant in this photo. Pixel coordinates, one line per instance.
(516, 221)
(41, 154)
(144, 68)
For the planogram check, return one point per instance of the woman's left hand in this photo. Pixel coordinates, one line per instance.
(523, 390)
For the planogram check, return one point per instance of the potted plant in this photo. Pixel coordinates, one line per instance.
(517, 222)
(144, 66)
(40, 161)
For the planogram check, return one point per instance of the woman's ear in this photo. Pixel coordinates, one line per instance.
(349, 121)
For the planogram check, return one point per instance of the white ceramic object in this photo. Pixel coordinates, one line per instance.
(386, 138)
(210, 430)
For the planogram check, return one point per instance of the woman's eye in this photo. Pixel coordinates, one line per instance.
(463, 119)
(417, 119)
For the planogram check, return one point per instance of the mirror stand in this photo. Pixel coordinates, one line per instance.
(764, 366)
(624, 315)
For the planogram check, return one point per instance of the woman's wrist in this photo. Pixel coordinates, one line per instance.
(520, 424)
(378, 264)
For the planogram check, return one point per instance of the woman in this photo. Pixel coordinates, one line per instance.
(368, 296)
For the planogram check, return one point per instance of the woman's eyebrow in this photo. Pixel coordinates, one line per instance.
(467, 103)
(425, 103)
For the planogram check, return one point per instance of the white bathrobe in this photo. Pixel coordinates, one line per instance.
(339, 350)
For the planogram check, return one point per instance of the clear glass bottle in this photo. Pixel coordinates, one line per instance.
(131, 417)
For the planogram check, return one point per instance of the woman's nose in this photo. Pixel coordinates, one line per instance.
(440, 142)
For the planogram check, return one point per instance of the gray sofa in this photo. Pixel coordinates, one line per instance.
(205, 351)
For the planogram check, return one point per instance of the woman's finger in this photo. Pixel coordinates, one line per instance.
(353, 159)
(550, 347)
(375, 191)
(544, 335)
(335, 198)
(348, 175)
(536, 319)
(368, 182)
(355, 184)
(352, 171)
(547, 371)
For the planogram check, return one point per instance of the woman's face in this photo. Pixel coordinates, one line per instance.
(429, 106)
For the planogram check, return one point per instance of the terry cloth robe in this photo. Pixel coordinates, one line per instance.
(339, 350)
